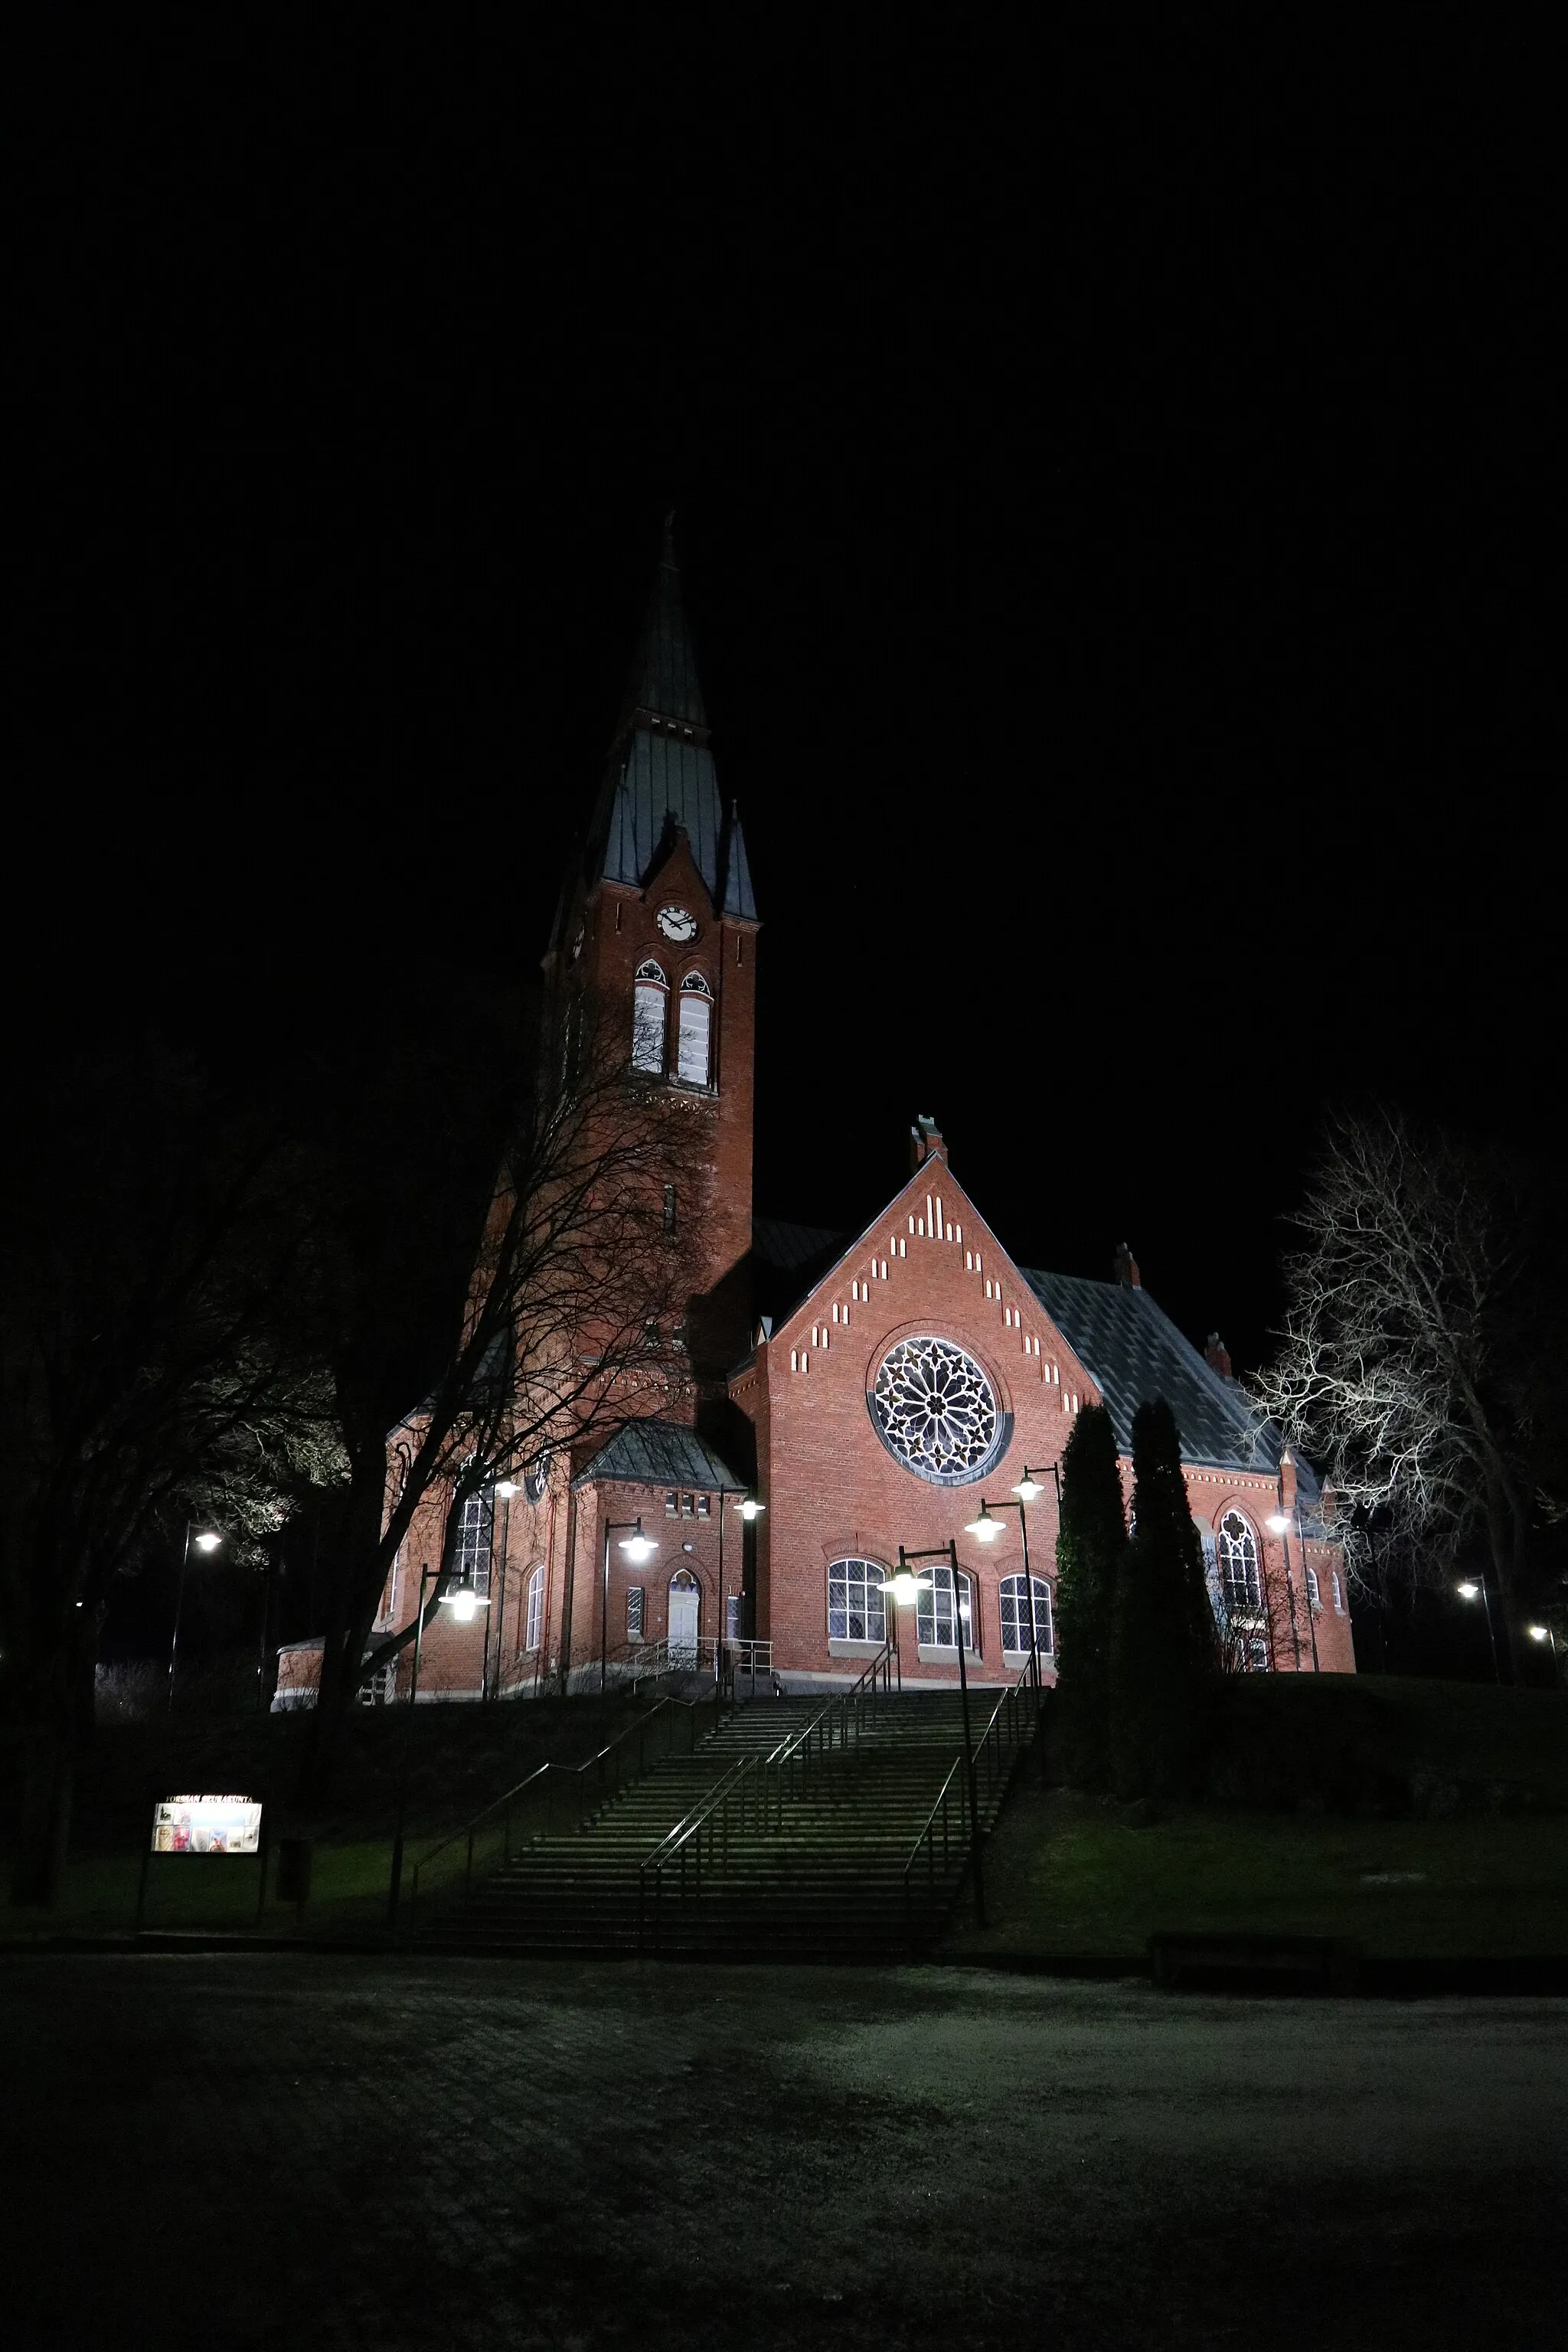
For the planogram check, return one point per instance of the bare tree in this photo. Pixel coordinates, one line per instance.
(148, 1229)
(571, 1324)
(1406, 1367)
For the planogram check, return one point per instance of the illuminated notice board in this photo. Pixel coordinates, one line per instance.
(206, 1826)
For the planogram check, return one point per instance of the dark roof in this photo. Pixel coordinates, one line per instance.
(788, 1261)
(660, 1454)
(1136, 1353)
(662, 772)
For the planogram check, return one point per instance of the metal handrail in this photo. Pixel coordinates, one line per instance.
(754, 1787)
(546, 1779)
(1003, 1742)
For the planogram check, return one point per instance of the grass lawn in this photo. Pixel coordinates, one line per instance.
(1068, 1874)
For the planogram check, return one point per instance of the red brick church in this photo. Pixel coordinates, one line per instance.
(848, 1393)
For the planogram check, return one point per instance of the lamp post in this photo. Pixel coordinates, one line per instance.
(1545, 1634)
(1469, 1591)
(1278, 1523)
(986, 1529)
(749, 1510)
(465, 1604)
(205, 1541)
(506, 1488)
(906, 1586)
(637, 1548)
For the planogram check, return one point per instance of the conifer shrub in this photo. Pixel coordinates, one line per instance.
(1092, 1539)
(1164, 1653)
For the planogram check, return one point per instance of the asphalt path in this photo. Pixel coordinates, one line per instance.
(262, 2149)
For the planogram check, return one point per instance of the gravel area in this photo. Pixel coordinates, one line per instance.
(253, 2149)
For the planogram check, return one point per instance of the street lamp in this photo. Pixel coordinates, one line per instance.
(1469, 1591)
(506, 1488)
(749, 1508)
(1278, 1523)
(906, 1587)
(637, 1548)
(205, 1541)
(1544, 1633)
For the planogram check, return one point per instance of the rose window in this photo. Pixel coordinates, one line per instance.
(936, 1411)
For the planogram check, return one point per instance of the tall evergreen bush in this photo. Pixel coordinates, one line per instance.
(1164, 1653)
(1092, 1540)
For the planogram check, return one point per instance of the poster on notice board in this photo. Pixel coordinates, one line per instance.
(206, 1826)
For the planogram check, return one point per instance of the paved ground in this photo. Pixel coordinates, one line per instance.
(258, 2150)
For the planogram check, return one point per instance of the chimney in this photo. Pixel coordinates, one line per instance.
(1126, 1269)
(925, 1143)
(1216, 1356)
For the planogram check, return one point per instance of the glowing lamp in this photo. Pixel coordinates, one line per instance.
(207, 1542)
(506, 1488)
(905, 1588)
(1536, 1633)
(1028, 1489)
(1278, 1521)
(1467, 1592)
(984, 1530)
(465, 1603)
(750, 1508)
(639, 1548)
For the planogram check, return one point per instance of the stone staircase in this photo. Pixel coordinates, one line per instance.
(824, 1877)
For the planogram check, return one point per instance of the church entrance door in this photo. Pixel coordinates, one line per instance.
(683, 1606)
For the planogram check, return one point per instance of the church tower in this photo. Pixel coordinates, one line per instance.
(658, 927)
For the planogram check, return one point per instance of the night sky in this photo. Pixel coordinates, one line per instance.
(1120, 517)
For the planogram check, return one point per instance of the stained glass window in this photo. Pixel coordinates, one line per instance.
(1238, 1549)
(934, 1610)
(473, 1554)
(649, 999)
(696, 1020)
(936, 1411)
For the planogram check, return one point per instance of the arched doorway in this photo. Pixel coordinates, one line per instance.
(684, 1620)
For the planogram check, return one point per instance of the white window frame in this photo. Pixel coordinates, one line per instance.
(1314, 1596)
(862, 1600)
(651, 1019)
(636, 1611)
(534, 1612)
(1012, 1600)
(476, 1539)
(1243, 1595)
(934, 1610)
(694, 1033)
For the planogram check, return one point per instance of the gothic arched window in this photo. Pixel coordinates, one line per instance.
(933, 1611)
(1016, 1638)
(856, 1605)
(1237, 1549)
(694, 1053)
(650, 1001)
(533, 1623)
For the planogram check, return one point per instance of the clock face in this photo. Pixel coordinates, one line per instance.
(676, 923)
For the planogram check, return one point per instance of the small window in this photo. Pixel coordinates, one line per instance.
(704, 1507)
(533, 1620)
(731, 1617)
(671, 1505)
(688, 1506)
(856, 1605)
(634, 1613)
(669, 1208)
(1313, 1595)
(696, 1027)
(1339, 1596)
(650, 1002)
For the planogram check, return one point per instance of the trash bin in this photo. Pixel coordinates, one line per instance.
(294, 1873)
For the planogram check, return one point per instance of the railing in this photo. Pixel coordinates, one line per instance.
(558, 1795)
(1014, 1720)
(632, 1664)
(751, 1797)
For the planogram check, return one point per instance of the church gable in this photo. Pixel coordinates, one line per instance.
(930, 1259)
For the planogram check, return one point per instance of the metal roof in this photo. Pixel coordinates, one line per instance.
(662, 773)
(660, 1454)
(1135, 1353)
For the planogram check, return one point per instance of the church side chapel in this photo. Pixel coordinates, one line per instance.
(845, 1396)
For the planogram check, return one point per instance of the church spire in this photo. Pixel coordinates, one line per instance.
(665, 685)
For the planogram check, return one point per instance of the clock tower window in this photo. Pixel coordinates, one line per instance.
(650, 1001)
(695, 1053)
